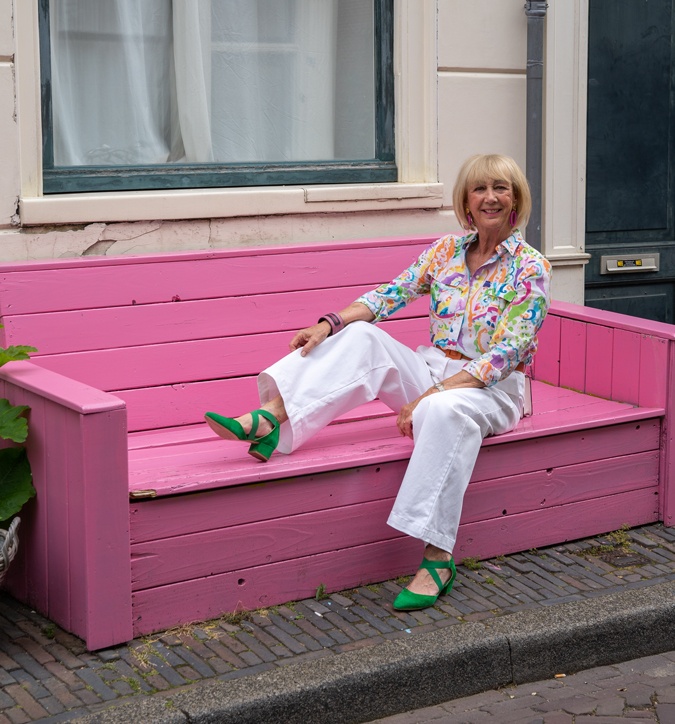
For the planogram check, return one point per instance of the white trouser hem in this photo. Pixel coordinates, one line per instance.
(409, 527)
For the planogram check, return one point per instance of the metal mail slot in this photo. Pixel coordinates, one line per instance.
(629, 263)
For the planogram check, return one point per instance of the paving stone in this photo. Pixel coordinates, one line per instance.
(261, 651)
(611, 706)
(63, 694)
(317, 634)
(341, 600)
(665, 712)
(17, 716)
(30, 684)
(32, 708)
(290, 627)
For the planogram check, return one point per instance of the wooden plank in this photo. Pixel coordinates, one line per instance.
(614, 320)
(572, 355)
(177, 516)
(159, 608)
(654, 379)
(599, 348)
(58, 388)
(560, 524)
(560, 485)
(547, 359)
(92, 285)
(146, 324)
(626, 366)
(205, 466)
(667, 491)
(64, 582)
(194, 554)
(234, 506)
(99, 543)
(194, 360)
(160, 562)
(71, 557)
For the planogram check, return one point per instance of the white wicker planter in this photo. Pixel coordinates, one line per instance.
(9, 544)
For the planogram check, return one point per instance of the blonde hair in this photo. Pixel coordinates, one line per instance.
(492, 167)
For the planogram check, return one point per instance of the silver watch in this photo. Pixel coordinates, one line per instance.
(439, 387)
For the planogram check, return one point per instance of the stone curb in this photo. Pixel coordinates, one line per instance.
(416, 672)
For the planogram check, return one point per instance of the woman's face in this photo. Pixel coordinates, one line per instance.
(490, 203)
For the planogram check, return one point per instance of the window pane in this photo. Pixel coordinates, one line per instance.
(212, 81)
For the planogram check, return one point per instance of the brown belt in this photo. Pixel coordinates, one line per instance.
(454, 354)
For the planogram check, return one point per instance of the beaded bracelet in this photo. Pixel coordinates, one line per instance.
(335, 322)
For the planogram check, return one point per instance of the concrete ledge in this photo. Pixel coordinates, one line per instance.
(429, 668)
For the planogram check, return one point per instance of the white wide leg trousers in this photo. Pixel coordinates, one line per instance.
(363, 362)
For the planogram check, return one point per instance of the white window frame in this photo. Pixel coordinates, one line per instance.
(415, 70)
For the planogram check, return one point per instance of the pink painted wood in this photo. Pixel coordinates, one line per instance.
(265, 585)
(133, 350)
(73, 565)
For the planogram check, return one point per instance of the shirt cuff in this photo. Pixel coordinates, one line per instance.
(372, 305)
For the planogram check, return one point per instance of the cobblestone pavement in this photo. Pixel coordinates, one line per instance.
(47, 674)
(638, 691)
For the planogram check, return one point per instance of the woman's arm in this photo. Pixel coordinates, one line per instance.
(309, 337)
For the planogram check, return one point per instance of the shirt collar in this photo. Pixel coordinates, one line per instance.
(510, 244)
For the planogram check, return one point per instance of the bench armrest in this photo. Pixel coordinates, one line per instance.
(73, 563)
(616, 357)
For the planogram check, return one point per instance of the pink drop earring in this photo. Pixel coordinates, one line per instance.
(469, 218)
(513, 217)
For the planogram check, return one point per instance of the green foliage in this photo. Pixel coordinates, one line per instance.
(320, 592)
(14, 354)
(13, 424)
(473, 564)
(16, 481)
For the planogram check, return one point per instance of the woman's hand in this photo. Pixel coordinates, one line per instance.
(459, 380)
(309, 337)
(404, 419)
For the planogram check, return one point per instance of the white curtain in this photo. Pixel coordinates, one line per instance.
(198, 81)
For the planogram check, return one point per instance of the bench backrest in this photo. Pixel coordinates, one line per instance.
(177, 334)
(174, 335)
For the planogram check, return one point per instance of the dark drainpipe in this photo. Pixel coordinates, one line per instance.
(536, 15)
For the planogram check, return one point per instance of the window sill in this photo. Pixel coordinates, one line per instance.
(223, 203)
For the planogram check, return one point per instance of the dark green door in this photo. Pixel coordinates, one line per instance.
(630, 158)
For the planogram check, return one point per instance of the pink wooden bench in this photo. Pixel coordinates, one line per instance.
(144, 519)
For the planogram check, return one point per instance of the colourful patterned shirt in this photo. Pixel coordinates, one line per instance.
(491, 317)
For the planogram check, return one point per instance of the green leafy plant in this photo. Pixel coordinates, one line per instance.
(16, 480)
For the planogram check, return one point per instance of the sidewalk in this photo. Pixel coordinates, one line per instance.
(350, 657)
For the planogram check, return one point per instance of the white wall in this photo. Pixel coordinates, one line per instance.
(461, 89)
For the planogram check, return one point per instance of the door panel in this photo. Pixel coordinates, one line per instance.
(629, 193)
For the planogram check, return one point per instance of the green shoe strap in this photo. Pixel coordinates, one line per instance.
(255, 414)
(432, 566)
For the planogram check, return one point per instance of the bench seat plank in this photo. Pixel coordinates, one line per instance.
(210, 462)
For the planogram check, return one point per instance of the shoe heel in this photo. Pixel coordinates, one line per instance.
(262, 450)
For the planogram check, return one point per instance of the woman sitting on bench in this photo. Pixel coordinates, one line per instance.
(489, 294)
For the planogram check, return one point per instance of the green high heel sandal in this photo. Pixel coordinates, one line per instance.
(261, 447)
(409, 601)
